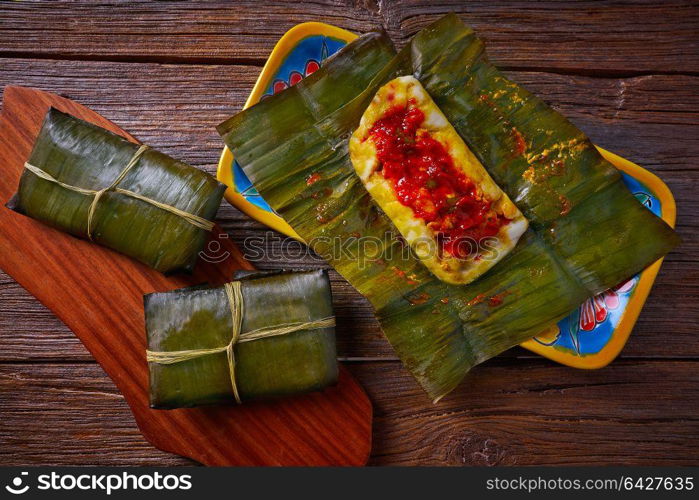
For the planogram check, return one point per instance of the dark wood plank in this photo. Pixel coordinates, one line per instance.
(515, 413)
(30, 332)
(631, 36)
(86, 420)
(536, 413)
(98, 294)
(178, 106)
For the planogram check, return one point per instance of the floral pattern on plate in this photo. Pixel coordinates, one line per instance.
(590, 328)
(305, 58)
(586, 331)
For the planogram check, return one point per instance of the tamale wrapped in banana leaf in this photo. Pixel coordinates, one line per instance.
(574, 198)
(96, 185)
(457, 221)
(262, 336)
(586, 231)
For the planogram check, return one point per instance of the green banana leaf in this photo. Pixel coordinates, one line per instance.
(440, 331)
(81, 154)
(200, 318)
(574, 199)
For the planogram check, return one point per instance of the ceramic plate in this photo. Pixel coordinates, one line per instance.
(592, 335)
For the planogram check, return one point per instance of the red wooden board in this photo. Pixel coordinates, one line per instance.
(98, 294)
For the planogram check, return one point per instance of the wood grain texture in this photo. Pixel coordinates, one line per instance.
(626, 72)
(632, 36)
(98, 294)
(656, 334)
(508, 413)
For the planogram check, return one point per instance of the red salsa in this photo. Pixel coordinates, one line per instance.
(425, 179)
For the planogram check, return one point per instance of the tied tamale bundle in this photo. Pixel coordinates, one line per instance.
(264, 335)
(96, 185)
(586, 231)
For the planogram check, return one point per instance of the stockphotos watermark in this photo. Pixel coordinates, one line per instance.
(102, 483)
(365, 250)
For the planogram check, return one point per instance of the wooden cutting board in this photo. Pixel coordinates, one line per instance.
(98, 294)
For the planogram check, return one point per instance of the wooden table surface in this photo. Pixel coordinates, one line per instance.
(627, 73)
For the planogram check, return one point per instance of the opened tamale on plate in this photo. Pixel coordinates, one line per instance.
(285, 343)
(96, 185)
(587, 232)
(457, 221)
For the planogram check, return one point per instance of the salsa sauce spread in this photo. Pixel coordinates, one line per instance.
(424, 178)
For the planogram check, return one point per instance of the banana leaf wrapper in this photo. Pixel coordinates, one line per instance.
(200, 318)
(574, 199)
(571, 251)
(81, 154)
